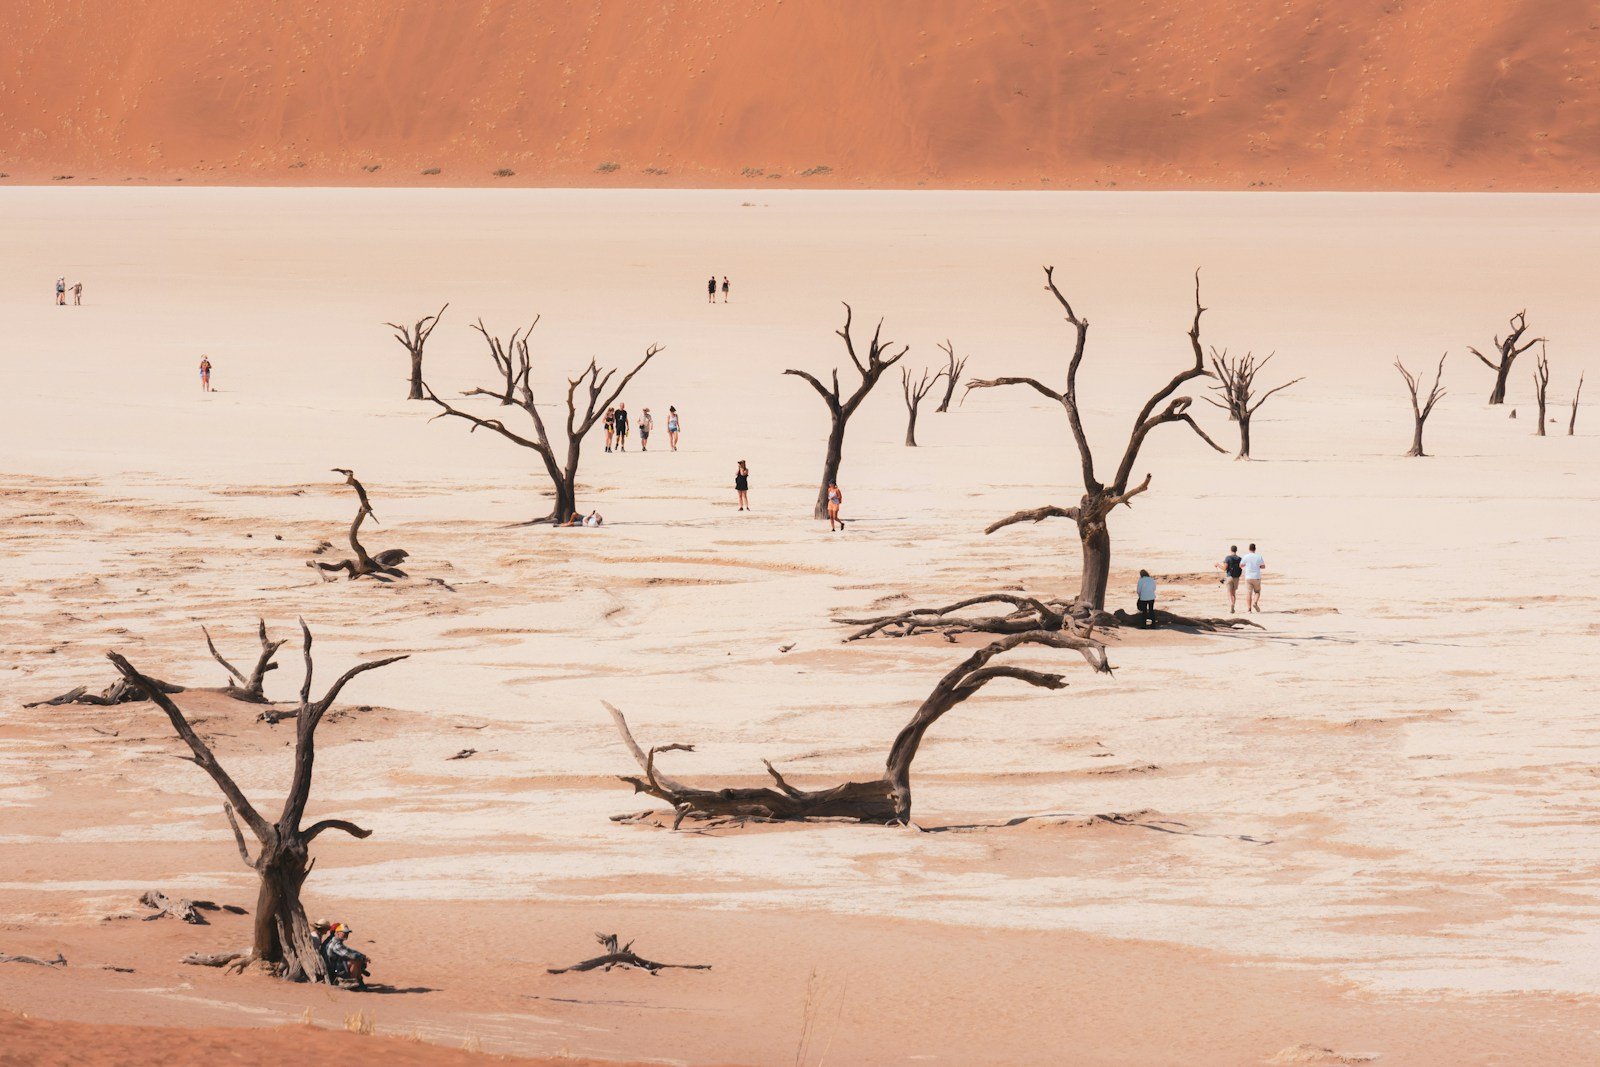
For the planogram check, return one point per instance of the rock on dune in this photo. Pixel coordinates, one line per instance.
(1457, 94)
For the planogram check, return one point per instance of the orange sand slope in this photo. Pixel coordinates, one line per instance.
(1353, 94)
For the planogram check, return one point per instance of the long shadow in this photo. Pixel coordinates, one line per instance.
(1165, 826)
(389, 990)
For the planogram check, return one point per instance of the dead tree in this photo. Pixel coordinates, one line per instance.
(619, 955)
(598, 391)
(885, 800)
(1421, 409)
(1541, 384)
(1572, 420)
(1019, 614)
(840, 407)
(1101, 498)
(914, 392)
(952, 374)
(385, 564)
(414, 337)
(1236, 384)
(248, 688)
(1509, 349)
(282, 937)
(505, 356)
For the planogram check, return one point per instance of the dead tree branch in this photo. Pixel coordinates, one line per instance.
(885, 800)
(246, 688)
(1541, 384)
(1421, 408)
(1508, 349)
(1572, 420)
(841, 407)
(383, 566)
(624, 956)
(915, 390)
(1236, 385)
(414, 338)
(953, 370)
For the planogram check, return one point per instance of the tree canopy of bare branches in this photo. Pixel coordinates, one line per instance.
(1421, 407)
(1236, 387)
(508, 356)
(414, 338)
(1508, 349)
(915, 389)
(1101, 498)
(885, 800)
(953, 370)
(282, 937)
(588, 396)
(841, 407)
(385, 564)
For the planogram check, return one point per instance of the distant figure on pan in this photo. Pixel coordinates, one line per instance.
(621, 420)
(61, 292)
(741, 485)
(724, 288)
(711, 290)
(646, 424)
(835, 502)
(1253, 565)
(205, 374)
(1146, 594)
(77, 293)
(672, 427)
(1232, 570)
(611, 427)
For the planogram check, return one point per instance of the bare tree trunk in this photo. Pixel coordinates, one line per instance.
(1096, 572)
(831, 462)
(1541, 385)
(1508, 351)
(1420, 408)
(911, 428)
(952, 374)
(414, 338)
(915, 389)
(1572, 420)
(1236, 382)
(1244, 436)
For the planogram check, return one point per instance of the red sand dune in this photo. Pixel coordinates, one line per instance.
(1382, 94)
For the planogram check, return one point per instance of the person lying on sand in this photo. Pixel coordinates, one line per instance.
(591, 520)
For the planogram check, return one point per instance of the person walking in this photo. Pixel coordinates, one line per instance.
(835, 502)
(646, 424)
(1252, 565)
(77, 294)
(61, 292)
(1145, 592)
(611, 427)
(1232, 569)
(741, 485)
(711, 290)
(622, 427)
(724, 288)
(672, 427)
(205, 374)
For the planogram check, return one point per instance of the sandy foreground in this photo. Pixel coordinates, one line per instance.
(1364, 828)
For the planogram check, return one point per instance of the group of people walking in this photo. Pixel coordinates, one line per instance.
(618, 424)
(61, 292)
(711, 289)
(1235, 568)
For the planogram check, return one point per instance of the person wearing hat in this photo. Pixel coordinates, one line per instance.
(646, 424)
(343, 961)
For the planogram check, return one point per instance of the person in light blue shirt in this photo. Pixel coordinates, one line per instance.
(1147, 598)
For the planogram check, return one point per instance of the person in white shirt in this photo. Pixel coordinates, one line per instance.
(1146, 594)
(1252, 564)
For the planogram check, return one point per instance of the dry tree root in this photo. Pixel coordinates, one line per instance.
(59, 961)
(182, 908)
(624, 957)
(1029, 613)
(246, 688)
(883, 801)
(383, 566)
(234, 962)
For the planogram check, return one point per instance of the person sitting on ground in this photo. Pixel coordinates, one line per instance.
(1146, 594)
(345, 964)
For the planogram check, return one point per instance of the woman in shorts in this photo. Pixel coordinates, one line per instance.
(741, 485)
(672, 427)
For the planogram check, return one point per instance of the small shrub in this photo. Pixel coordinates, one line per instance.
(654, 170)
(607, 168)
(360, 1022)
(812, 172)
(472, 1044)
(62, 178)
(297, 164)
(431, 171)
(751, 172)
(373, 168)
(504, 172)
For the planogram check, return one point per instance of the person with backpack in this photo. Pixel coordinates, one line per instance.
(1232, 570)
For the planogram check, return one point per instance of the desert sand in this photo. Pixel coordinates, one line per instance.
(1226, 94)
(1359, 831)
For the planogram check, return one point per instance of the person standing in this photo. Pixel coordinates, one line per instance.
(724, 288)
(61, 292)
(611, 427)
(741, 485)
(1232, 570)
(1146, 595)
(835, 502)
(672, 427)
(622, 427)
(205, 374)
(646, 424)
(1252, 565)
(77, 294)
(711, 290)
